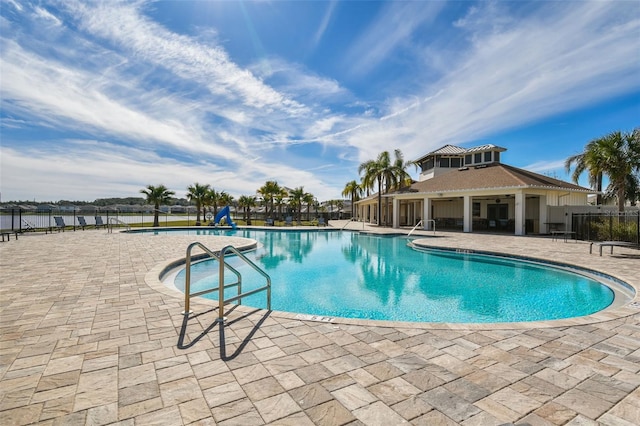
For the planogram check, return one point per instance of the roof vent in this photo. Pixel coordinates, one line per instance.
(463, 168)
(481, 166)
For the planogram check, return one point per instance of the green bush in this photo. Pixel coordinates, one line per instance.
(612, 229)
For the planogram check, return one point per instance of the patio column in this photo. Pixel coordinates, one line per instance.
(426, 214)
(468, 214)
(395, 207)
(543, 228)
(520, 213)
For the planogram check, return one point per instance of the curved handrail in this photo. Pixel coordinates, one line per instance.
(349, 221)
(221, 300)
(115, 221)
(221, 286)
(421, 223)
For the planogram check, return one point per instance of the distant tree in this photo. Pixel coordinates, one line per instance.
(225, 199)
(268, 191)
(308, 199)
(198, 193)
(296, 196)
(157, 195)
(278, 199)
(246, 202)
(353, 190)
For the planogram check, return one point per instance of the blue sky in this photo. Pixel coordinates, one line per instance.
(100, 99)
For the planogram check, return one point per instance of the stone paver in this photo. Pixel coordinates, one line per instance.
(88, 335)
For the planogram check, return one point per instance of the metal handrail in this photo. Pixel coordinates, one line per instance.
(349, 221)
(221, 286)
(115, 221)
(421, 223)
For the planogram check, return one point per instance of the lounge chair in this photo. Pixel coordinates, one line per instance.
(81, 222)
(611, 244)
(60, 225)
(28, 226)
(268, 222)
(99, 222)
(288, 221)
(321, 222)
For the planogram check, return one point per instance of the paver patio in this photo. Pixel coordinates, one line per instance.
(90, 336)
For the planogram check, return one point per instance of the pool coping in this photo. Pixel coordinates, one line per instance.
(153, 279)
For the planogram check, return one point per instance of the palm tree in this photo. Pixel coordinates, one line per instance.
(246, 202)
(225, 199)
(308, 199)
(616, 155)
(385, 174)
(296, 196)
(588, 160)
(157, 195)
(268, 191)
(352, 190)
(340, 206)
(198, 194)
(278, 198)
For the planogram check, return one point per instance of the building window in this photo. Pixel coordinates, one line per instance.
(467, 159)
(487, 157)
(496, 156)
(428, 165)
(476, 209)
(478, 158)
(456, 162)
(444, 162)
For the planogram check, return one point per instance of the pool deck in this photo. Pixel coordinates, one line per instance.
(88, 336)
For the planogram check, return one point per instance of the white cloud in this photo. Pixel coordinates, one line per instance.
(123, 23)
(394, 25)
(544, 65)
(44, 14)
(326, 18)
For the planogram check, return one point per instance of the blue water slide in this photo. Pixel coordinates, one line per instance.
(225, 212)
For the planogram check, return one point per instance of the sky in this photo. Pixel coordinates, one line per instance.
(101, 99)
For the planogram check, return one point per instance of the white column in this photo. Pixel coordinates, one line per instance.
(426, 214)
(543, 228)
(520, 213)
(395, 206)
(468, 214)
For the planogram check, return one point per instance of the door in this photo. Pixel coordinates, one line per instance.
(498, 216)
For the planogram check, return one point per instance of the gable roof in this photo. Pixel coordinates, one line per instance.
(491, 176)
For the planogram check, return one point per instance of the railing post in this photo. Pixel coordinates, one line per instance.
(187, 283)
(221, 286)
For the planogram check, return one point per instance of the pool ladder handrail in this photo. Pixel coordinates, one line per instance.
(221, 286)
(115, 221)
(420, 223)
(349, 221)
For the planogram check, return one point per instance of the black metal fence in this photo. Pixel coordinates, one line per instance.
(607, 226)
(16, 219)
(22, 220)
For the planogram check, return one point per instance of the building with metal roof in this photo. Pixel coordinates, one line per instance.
(471, 190)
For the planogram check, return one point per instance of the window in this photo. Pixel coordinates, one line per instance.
(477, 158)
(476, 209)
(444, 162)
(487, 157)
(456, 162)
(496, 156)
(467, 159)
(427, 165)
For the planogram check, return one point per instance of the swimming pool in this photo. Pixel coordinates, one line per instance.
(353, 275)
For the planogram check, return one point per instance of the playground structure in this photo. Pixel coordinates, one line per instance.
(226, 213)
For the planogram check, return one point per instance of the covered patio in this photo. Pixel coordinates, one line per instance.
(490, 198)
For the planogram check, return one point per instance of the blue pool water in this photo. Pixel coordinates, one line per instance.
(346, 274)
